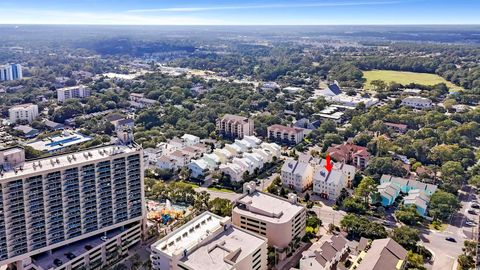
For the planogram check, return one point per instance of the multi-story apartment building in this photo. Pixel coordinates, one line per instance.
(284, 134)
(27, 112)
(78, 91)
(330, 184)
(234, 126)
(210, 242)
(298, 174)
(11, 72)
(64, 203)
(280, 220)
(350, 153)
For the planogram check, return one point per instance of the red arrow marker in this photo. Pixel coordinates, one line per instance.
(329, 165)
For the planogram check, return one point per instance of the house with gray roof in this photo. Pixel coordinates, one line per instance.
(383, 254)
(325, 254)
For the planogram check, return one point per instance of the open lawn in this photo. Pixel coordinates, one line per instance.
(404, 77)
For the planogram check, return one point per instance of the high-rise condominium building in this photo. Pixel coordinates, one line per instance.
(27, 112)
(11, 72)
(67, 203)
(78, 91)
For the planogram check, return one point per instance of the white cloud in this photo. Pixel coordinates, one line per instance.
(299, 5)
(65, 17)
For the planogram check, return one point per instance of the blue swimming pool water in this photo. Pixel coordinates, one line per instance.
(64, 141)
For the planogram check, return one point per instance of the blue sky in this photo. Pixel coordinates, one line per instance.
(244, 12)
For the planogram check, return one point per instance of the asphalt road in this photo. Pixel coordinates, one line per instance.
(445, 252)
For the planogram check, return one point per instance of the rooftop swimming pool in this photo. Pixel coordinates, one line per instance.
(64, 141)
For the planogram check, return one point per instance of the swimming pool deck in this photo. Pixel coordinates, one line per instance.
(56, 143)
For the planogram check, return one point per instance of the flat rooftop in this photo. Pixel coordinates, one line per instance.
(55, 143)
(70, 159)
(230, 246)
(267, 207)
(190, 234)
(45, 260)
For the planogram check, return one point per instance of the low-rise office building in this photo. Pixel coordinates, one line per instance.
(210, 242)
(280, 220)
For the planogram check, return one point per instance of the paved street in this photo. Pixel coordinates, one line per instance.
(328, 215)
(446, 252)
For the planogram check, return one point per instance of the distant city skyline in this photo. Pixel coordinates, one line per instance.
(234, 12)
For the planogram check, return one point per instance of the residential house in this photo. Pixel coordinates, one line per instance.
(388, 193)
(325, 253)
(400, 128)
(419, 199)
(329, 184)
(190, 139)
(138, 100)
(298, 174)
(418, 193)
(383, 254)
(406, 185)
(198, 167)
(235, 171)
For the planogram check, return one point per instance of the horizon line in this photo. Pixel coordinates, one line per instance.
(373, 24)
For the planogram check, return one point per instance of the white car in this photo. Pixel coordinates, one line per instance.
(470, 223)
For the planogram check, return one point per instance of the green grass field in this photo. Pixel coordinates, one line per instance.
(404, 77)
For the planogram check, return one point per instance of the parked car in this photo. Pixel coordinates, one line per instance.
(451, 239)
(70, 255)
(472, 212)
(476, 206)
(57, 262)
(470, 223)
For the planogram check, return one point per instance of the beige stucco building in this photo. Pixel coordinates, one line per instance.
(280, 220)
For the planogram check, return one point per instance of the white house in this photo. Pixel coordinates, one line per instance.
(234, 170)
(198, 167)
(298, 174)
(224, 155)
(190, 140)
